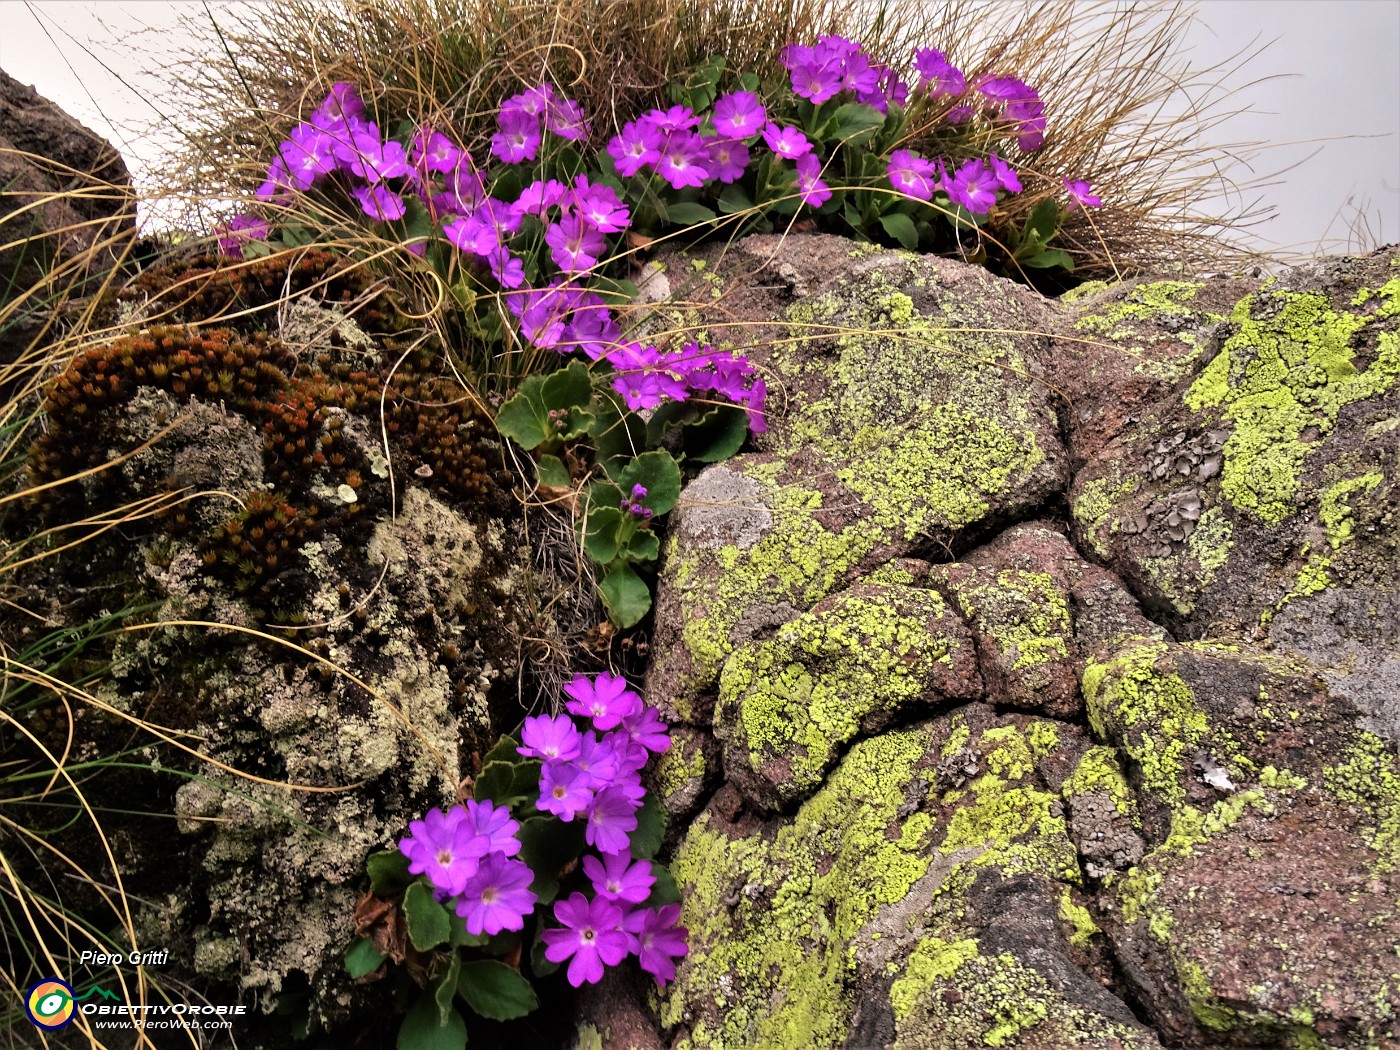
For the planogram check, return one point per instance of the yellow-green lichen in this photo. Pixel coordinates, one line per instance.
(1098, 770)
(1370, 780)
(1289, 368)
(1082, 927)
(933, 960)
(1149, 300)
(771, 916)
(1023, 612)
(802, 696)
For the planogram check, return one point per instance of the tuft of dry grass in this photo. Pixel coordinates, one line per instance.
(1126, 109)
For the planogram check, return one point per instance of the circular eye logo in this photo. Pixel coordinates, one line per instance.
(50, 1003)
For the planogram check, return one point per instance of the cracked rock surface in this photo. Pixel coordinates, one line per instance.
(1027, 715)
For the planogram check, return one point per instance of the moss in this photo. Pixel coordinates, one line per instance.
(1007, 821)
(1369, 780)
(775, 963)
(1289, 368)
(1150, 300)
(804, 695)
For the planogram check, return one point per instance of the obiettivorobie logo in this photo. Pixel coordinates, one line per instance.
(52, 1004)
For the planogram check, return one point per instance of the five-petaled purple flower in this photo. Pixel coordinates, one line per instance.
(591, 938)
(619, 878)
(912, 175)
(606, 699)
(1079, 194)
(497, 897)
(656, 940)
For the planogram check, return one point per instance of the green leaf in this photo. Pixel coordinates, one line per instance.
(602, 533)
(658, 473)
(503, 750)
(547, 845)
(362, 958)
(1054, 257)
(421, 1031)
(541, 966)
(460, 938)
(388, 872)
(716, 435)
(665, 891)
(646, 840)
(856, 123)
(644, 546)
(901, 228)
(689, 213)
(506, 783)
(734, 199)
(1044, 220)
(552, 473)
(618, 435)
(428, 924)
(447, 988)
(525, 421)
(496, 991)
(567, 388)
(625, 595)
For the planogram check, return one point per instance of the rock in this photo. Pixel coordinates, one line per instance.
(1253, 494)
(1265, 906)
(897, 907)
(896, 433)
(63, 190)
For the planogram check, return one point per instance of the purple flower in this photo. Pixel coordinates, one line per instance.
(592, 936)
(508, 270)
(912, 175)
(606, 699)
(494, 825)
(1079, 194)
(532, 102)
(565, 118)
(646, 728)
(240, 230)
(565, 790)
(538, 197)
(519, 137)
(464, 185)
(307, 154)
(597, 760)
(470, 234)
(497, 897)
(726, 159)
(611, 820)
(648, 389)
(1005, 175)
(682, 160)
(677, 118)
(591, 328)
(574, 245)
(599, 206)
(815, 73)
(434, 151)
(444, 847)
(618, 878)
(278, 183)
(631, 760)
(786, 142)
(758, 393)
(371, 159)
(739, 114)
(655, 939)
(342, 106)
(639, 144)
(810, 188)
(974, 187)
(958, 114)
(858, 75)
(1006, 89)
(554, 738)
(939, 76)
(1029, 119)
(379, 202)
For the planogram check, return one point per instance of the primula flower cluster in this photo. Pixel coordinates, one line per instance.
(466, 853)
(592, 772)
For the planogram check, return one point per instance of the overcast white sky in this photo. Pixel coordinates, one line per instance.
(1335, 66)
